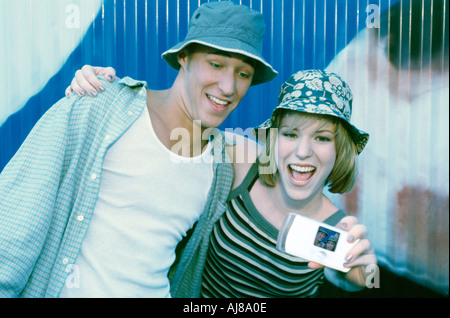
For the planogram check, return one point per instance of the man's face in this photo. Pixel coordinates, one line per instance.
(215, 82)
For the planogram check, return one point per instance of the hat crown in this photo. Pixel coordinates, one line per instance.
(327, 91)
(226, 19)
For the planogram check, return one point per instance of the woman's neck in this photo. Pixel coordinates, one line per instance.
(317, 207)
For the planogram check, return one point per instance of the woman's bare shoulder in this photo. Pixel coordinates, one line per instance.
(243, 154)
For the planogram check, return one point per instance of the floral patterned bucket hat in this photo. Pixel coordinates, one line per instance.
(318, 92)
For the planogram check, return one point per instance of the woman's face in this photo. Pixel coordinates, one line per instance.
(306, 156)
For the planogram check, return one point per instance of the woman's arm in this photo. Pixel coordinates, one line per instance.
(86, 81)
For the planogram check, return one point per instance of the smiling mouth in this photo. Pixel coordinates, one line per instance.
(217, 101)
(300, 175)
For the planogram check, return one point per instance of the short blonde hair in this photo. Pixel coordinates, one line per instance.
(342, 178)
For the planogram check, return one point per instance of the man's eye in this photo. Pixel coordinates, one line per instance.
(244, 75)
(214, 65)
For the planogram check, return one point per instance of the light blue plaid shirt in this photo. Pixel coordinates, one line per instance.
(49, 189)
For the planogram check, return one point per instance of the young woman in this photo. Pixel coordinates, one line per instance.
(309, 144)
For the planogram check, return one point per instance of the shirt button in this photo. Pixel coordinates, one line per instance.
(65, 260)
(80, 218)
(130, 113)
(93, 176)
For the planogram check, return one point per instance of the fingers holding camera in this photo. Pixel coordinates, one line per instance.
(360, 254)
(357, 232)
(314, 265)
(347, 223)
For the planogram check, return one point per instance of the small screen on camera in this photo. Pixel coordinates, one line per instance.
(326, 239)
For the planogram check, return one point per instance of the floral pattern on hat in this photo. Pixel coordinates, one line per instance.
(319, 92)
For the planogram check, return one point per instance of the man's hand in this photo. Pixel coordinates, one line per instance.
(86, 81)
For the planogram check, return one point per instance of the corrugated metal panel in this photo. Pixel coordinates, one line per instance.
(402, 99)
(402, 192)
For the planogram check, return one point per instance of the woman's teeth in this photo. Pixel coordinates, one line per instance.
(302, 169)
(300, 174)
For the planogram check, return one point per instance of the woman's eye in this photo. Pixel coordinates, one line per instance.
(289, 135)
(323, 138)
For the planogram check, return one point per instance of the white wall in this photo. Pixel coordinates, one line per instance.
(36, 38)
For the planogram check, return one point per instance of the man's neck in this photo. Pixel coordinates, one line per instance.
(172, 126)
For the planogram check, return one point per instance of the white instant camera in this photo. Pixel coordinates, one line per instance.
(314, 241)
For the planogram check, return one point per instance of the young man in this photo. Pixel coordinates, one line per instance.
(94, 205)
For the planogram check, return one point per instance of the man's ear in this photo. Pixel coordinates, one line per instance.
(182, 57)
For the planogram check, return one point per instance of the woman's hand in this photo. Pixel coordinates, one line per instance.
(86, 81)
(359, 256)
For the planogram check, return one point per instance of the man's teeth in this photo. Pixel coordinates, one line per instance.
(302, 169)
(217, 101)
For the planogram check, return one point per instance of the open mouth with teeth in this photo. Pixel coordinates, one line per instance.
(218, 103)
(301, 175)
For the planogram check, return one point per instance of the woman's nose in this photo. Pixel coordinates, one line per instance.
(303, 149)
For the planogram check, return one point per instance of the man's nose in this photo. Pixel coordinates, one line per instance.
(227, 83)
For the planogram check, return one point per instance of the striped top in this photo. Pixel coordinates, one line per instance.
(243, 260)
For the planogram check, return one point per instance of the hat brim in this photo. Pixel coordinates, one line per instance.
(264, 72)
(359, 137)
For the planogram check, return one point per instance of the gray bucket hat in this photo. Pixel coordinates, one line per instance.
(227, 27)
(318, 92)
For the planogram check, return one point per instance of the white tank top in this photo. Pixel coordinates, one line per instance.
(146, 204)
